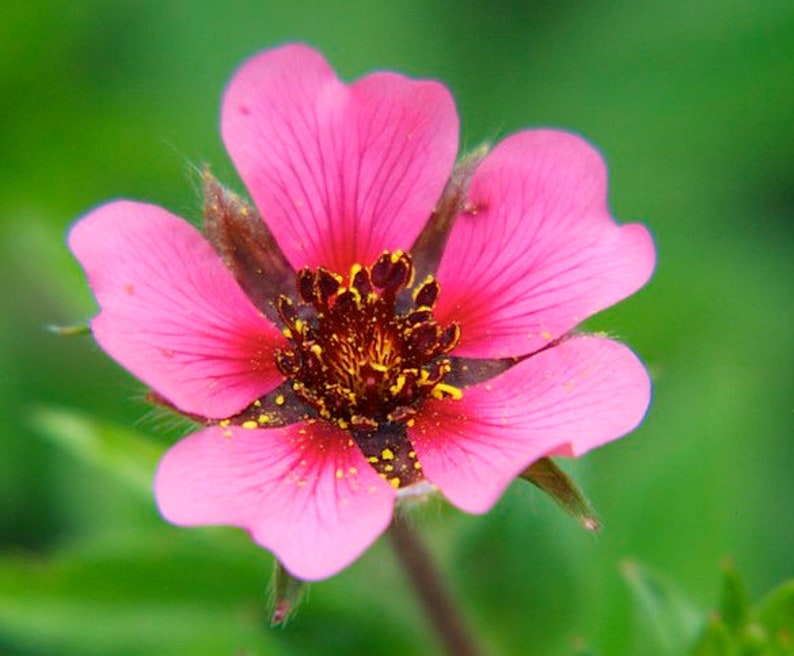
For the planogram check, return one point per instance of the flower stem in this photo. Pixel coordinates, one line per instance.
(428, 585)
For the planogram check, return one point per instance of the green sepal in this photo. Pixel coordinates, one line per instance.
(287, 592)
(559, 486)
(76, 330)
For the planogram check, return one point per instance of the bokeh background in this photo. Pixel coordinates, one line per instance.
(692, 104)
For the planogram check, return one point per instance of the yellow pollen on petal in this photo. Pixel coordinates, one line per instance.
(250, 424)
(340, 473)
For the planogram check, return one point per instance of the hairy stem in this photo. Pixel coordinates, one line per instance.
(430, 588)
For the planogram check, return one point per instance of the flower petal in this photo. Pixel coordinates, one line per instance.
(339, 172)
(538, 253)
(565, 400)
(171, 313)
(304, 491)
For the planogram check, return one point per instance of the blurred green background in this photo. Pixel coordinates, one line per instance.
(692, 104)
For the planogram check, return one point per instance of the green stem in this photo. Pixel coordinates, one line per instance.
(429, 587)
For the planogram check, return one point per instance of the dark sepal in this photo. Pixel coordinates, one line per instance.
(248, 248)
(280, 407)
(429, 245)
(466, 372)
(558, 485)
(389, 452)
(286, 593)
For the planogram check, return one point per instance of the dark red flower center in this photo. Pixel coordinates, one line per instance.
(364, 352)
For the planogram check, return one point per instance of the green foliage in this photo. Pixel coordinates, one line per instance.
(691, 104)
(121, 452)
(669, 621)
(666, 618)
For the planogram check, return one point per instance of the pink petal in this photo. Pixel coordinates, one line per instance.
(567, 399)
(540, 253)
(171, 313)
(339, 172)
(304, 491)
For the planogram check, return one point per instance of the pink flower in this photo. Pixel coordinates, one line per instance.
(326, 388)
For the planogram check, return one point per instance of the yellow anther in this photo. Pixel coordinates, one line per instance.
(250, 424)
(398, 385)
(442, 390)
(263, 418)
(395, 482)
(372, 459)
(287, 333)
(417, 465)
(280, 399)
(316, 349)
(387, 454)
(388, 468)
(223, 423)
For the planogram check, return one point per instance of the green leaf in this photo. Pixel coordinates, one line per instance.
(734, 600)
(717, 640)
(668, 621)
(776, 616)
(123, 453)
(546, 475)
(583, 648)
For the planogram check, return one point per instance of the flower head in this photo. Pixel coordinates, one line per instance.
(379, 321)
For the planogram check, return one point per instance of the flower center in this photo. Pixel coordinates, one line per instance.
(367, 353)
